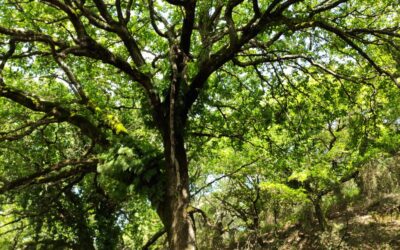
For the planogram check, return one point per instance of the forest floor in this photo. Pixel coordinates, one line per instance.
(374, 225)
(360, 232)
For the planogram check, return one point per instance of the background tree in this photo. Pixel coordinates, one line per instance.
(122, 90)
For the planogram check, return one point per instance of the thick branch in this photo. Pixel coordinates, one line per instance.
(6, 56)
(30, 36)
(228, 52)
(187, 28)
(153, 239)
(34, 103)
(340, 33)
(177, 2)
(326, 7)
(48, 174)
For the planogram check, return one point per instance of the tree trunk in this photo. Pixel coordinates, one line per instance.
(85, 241)
(173, 210)
(319, 213)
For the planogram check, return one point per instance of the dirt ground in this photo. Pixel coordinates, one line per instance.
(370, 231)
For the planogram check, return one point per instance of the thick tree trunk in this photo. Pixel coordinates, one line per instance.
(174, 209)
(85, 241)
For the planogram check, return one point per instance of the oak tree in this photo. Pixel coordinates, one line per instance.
(121, 88)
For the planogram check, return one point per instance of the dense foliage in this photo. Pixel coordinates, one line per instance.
(135, 124)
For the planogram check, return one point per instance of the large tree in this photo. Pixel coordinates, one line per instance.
(126, 84)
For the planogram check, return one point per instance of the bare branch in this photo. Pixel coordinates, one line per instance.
(340, 33)
(13, 135)
(153, 239)
(10, 52)
(177, 2)
(73, 81)
(224, 176)
(154, 17)
(325, 7)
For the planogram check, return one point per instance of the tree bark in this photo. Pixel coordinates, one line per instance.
(319, 213)
(173, 210)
